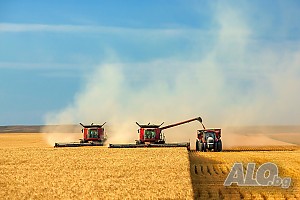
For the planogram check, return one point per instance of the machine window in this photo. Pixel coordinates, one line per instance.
(149, 134)
(93, 133)
(210, 134)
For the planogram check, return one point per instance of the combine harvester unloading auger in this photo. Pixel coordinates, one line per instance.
(93, 135)
(152, 136)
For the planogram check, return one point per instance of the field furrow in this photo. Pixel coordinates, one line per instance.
(213, 168)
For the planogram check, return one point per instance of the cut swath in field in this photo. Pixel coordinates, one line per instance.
(209, 171)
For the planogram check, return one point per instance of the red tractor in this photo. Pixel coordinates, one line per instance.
(152, 136)
(209, 140)
(93, 135)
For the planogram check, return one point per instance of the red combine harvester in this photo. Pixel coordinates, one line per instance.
(209, 140)
(93, 135)
(152, 136)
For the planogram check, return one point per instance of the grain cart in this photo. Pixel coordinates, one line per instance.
(152, 136)
(209, 140)
(93, 135)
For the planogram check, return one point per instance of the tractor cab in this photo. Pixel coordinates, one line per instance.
(209, 134)
(93, 132)
(150, 134)
(205, 134)
(209, 139)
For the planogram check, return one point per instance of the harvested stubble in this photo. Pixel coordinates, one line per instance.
(41, 172)
(209, 171)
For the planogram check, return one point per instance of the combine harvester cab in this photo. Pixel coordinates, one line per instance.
(152, 136)
(209, 140)
(93, 135)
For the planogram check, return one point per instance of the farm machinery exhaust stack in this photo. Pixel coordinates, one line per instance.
(151, 135)
(93, 135)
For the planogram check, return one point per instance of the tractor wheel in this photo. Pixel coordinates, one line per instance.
(197, 145)
(216, 147)
(204, 147)
(219, 145)
(200, 146)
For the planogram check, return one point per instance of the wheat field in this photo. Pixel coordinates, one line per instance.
(29, 169)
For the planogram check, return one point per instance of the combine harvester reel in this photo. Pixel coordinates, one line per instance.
(93, 135)
(152, 136)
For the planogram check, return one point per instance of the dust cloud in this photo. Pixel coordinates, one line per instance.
(239, 80)
(61, 133)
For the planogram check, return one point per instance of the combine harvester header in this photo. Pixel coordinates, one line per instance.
(151, 135)
(93, 135)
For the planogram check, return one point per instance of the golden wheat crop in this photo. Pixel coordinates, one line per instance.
(31, 170)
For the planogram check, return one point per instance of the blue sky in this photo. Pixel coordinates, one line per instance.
(50, 49)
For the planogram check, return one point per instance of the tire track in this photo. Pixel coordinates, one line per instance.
(210, 169)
